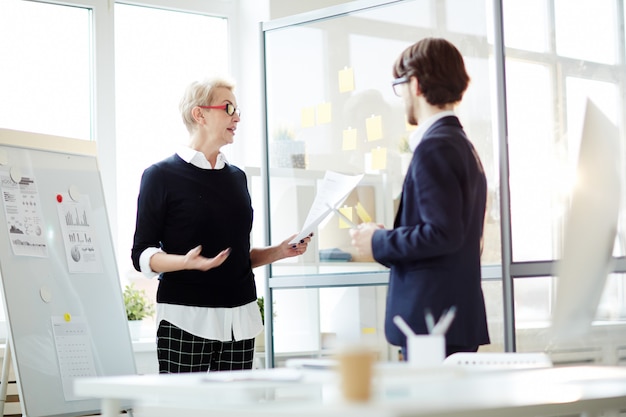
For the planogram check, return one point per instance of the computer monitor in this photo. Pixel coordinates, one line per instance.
(590, 228)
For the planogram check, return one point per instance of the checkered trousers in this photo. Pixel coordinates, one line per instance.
(179, 351)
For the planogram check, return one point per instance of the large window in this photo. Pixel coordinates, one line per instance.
(46, 81)
(576, 53)
(549, 74)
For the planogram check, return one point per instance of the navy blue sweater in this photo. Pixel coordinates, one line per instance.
(181, 206)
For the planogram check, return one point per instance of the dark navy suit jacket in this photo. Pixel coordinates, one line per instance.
(434, 249)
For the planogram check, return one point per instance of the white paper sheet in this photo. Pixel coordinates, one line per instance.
(22, 207)
(82, 252)
(331, 192)
(73, 346)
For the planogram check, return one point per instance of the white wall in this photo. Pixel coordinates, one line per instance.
(246, 68)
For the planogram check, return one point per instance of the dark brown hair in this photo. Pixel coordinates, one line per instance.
(439, 68)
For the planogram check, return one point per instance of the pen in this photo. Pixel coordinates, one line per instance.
(343, 217)
(399, 321)
(445, 321)
(430, 320)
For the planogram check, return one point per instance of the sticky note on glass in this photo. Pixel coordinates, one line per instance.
(346, 80)
(307, 116)
(374, 127)
(379, 158)
(362, 213)
(323, 113)
(346, 211)
(349, 139)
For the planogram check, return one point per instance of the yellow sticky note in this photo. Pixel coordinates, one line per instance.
(379, 158)
(324, 113)
(307, 116)
(368, 330)
(346, 211)
(67, 317)
(362, 213)
(374, 127)
(349, 139)
(346, 80)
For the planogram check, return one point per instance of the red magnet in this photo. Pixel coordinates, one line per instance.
(59, 198)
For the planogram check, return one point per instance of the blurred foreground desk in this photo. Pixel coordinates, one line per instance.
(398, 392)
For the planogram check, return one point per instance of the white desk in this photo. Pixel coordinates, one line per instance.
(398, 392)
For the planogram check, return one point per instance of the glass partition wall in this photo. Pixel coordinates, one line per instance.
(330, 107)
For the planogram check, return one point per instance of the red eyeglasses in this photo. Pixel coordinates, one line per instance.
(228, 108)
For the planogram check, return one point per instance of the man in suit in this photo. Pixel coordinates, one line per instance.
(434, 248)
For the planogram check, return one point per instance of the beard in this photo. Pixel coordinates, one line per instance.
(410, 114)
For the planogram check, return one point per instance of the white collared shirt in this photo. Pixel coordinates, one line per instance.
(418, 134)
(219, 323)
(191, 156)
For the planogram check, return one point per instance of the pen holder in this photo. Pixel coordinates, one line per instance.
(426, 351)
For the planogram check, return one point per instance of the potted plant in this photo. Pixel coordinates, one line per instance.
(260, 339)
(261, 303)
(138, 307)
(285, 150)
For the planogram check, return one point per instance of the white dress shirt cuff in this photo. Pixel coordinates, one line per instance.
(144, 262)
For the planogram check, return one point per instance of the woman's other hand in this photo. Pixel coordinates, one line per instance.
(194, 260)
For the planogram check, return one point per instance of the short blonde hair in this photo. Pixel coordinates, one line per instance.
(200, 93)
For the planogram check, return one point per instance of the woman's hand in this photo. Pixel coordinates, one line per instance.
(289, 250)
(267, 255)
(193, 259)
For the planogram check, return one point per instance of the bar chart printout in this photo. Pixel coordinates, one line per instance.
(81, 249)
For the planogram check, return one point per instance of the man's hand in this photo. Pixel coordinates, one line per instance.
(362, 239)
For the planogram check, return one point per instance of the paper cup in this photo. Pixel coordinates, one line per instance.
(355, 372)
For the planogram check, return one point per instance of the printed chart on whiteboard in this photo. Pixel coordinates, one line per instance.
(81, 246)
(22, 208)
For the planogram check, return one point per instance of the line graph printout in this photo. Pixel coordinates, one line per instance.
(22, 208)
(81, 247)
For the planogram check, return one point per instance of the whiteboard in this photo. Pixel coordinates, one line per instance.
(62, 295)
